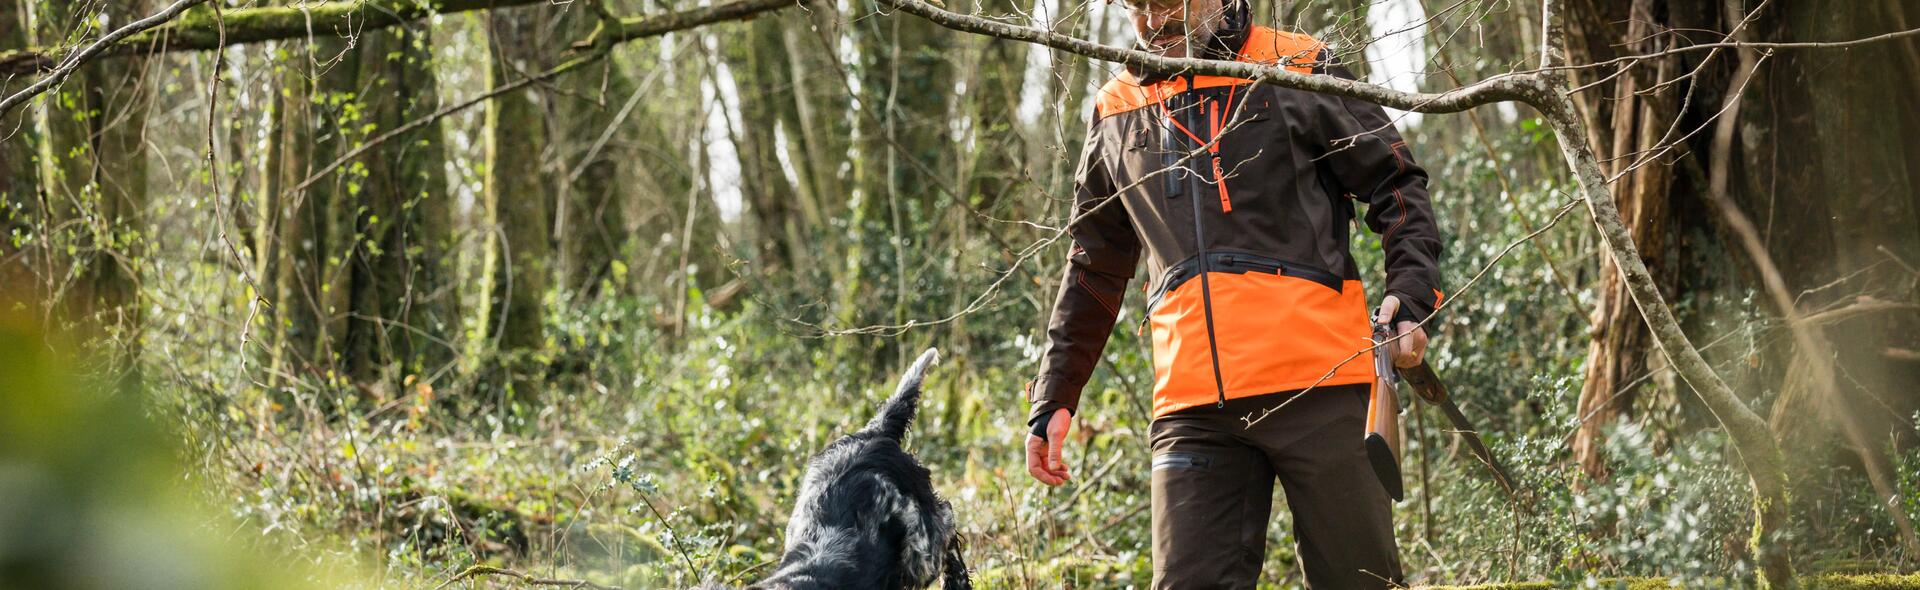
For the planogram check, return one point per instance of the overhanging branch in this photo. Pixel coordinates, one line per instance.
(1506, 87)
(85, 54)
(198, 30)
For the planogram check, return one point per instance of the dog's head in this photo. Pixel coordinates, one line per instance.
(867, 516)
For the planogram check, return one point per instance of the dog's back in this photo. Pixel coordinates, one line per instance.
(867, 516)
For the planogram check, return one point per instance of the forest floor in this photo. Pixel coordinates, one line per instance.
(1821, 582)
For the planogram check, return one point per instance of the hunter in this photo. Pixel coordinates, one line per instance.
(1240, 198)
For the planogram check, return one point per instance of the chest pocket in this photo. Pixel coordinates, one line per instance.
(1253, 124)
(1251, 137)
(1154, 162)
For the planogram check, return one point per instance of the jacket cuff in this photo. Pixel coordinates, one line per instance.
(1415, 306)
(1046, 394)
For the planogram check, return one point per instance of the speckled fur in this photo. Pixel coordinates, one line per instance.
(867, 517)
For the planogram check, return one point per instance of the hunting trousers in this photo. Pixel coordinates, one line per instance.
(1213, 493)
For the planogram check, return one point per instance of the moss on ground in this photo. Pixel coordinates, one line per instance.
(1821, 582)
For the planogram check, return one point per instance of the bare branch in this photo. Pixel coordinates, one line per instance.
(199, 32)
(628, 30)
(1506, 87)
(79, 58)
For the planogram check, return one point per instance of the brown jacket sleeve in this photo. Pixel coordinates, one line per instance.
(1371, 162)
(1099, 265)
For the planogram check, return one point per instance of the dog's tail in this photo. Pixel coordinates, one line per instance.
(894, 415)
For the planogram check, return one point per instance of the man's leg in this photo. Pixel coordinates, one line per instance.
(1341, 514)
(1212, 495)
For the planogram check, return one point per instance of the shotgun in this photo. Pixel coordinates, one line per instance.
(1426, 384)
(1383, 417)
(1385, 432)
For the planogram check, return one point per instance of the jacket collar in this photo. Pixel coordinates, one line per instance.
(1225, 43)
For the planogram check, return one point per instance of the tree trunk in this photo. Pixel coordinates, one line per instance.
(1625, 127)
(997, 159)
(761, 76)
(904, 160)
(519, 189)
(1829, 214)
(404, 313)
(19, 177)
(304, 271)
(590, 210)
(96, 168)
(818, 120)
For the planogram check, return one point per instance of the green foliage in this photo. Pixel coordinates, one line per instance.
(90, 496)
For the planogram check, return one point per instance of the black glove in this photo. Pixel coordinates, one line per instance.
(1039, 426)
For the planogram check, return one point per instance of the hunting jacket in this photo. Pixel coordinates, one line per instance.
(1239, 196)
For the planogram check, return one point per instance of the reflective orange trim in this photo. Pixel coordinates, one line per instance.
(1295, 51)
(1219, 179)
(1274, 333)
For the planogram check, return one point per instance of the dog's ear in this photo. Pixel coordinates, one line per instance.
(956, 577)
(897, 413)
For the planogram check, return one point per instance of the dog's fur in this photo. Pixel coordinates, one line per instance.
(867, 517)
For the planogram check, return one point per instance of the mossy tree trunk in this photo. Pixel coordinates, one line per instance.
(95, 170)
(815, 121)
(358, 272)
(997, 161)
(519, 190)
(403, 313)
(19, 177)
(591, 210)
(765, 86)
(304, 270)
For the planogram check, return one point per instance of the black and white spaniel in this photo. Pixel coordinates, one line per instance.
(867, 517)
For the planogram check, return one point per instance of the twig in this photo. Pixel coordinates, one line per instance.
(80, 58)
(430, 118)
(1250, 419)
(524, 578)
(677, 543)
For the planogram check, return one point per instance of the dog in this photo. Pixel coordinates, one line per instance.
(867, 517)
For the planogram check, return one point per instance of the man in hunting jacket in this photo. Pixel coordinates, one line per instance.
(1240, 197)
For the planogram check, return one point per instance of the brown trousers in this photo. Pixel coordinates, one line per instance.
(1213, 493)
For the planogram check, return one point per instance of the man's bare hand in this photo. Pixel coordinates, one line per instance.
(1408, 350)
(1044, 462)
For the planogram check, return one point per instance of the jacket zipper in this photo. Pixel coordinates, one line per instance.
(1206, 266)
(1285, 269)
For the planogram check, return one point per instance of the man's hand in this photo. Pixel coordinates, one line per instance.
(1409, 349)
(1043, 455)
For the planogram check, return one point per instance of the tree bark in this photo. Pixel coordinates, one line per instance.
(96, 171)
(765, 90)
(996, 162)
(1628, 125)
(402, 309)
(1855, 180)
(19, 178)
(303, 271)
(519, 192)
(590, 211)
